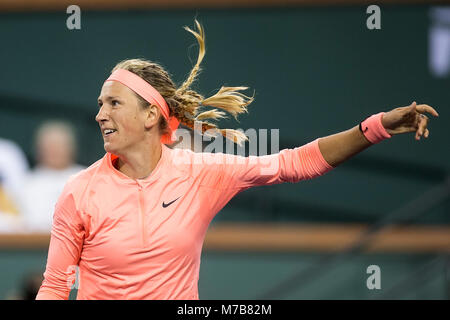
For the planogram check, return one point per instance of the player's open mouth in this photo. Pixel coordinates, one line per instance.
(107, 132)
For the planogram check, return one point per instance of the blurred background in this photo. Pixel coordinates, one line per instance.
(316, 69)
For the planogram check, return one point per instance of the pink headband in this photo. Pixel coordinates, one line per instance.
(150, 94)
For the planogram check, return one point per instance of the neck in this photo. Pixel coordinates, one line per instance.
(139, 165)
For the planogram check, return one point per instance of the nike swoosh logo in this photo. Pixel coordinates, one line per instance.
(165, 205)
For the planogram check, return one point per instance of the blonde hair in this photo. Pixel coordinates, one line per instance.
(185, 103)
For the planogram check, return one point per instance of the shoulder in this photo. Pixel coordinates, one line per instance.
(209, 169)
(10, 146)
(188, 160)
(12, 153)
(78, 182)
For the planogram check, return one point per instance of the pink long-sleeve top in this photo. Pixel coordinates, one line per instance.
(142, 239)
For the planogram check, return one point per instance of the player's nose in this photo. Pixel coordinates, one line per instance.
(102, 115)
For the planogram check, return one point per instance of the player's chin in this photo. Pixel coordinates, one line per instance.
(109, 147)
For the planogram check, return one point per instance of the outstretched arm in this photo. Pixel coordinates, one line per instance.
(341, 146)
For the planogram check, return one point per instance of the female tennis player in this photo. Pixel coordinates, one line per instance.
(134, 221)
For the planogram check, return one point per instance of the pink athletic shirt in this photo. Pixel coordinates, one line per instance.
(142, 239)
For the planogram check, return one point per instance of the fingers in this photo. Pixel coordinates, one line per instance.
(422, 119)
(422, 127)
(423, 108)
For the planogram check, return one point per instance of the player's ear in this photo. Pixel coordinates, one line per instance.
(152, 115)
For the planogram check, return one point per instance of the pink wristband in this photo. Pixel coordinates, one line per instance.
(373, 129)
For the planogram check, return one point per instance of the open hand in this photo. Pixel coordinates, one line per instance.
(411, 118)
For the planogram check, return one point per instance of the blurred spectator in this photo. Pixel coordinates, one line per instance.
(29, 287)
(55, 155)
(439, 42)
(13, 168)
